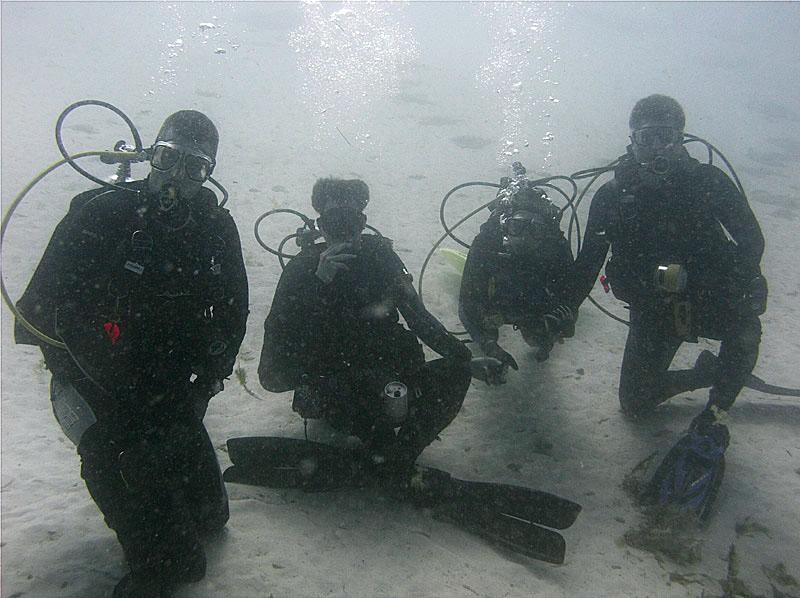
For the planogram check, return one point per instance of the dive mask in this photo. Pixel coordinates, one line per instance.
(656, 136)
(533, 224)
(167, 155)
(658, 150)
(342, 222)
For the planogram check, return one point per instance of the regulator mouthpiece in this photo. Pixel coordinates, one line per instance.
(168, 198)
(660, 165)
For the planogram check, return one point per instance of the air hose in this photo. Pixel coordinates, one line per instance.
(137, 150)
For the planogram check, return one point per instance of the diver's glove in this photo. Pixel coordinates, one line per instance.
(203, 389)
(556, 324)
(333, 260)
(708, 424)
(492, 349)
(560, 321)
(488, 369)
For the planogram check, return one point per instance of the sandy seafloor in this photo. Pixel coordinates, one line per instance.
(554, 426)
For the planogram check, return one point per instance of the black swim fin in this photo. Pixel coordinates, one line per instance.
(278, 462)
(706, 367)
(689, 477)
(514, 517)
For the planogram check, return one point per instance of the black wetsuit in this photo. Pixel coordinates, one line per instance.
(676, 222)
(498, 288)
(143, 302)
(342, 342)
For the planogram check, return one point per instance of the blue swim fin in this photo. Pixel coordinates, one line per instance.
(689, 477)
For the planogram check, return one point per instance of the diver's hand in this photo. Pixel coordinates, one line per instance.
(333, 260)
(488, 369)
(709, 423)
(560, 322)
(492, 349)
(756, 293)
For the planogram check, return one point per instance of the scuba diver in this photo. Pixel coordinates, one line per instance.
(145, 285)
(333, 336)
(514, 274)
(686, 253)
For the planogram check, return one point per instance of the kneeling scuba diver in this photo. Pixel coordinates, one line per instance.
(514, 273)
(139, 305)
(667, 219)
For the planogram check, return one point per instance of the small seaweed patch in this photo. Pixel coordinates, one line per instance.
(241, 377)
(684, 580)
(636, 479)
(665, 532)
(749, 528)
(669, 533)
(732, 585)
(778, 575)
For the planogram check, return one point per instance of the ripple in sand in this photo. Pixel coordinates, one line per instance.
(439, 121)
(413, 98)
(471, 141)
(88, 129)
(773, 110)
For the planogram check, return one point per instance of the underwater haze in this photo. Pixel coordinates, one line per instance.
(415, 98)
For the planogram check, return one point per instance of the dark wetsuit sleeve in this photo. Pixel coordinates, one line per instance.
(421, 322)
(735, 214)
(40, 300)
(286, 330)
(230, 312)
(593, 251)
(60, 273)
(474, 294)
